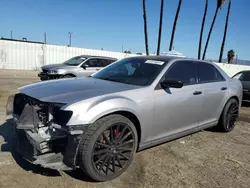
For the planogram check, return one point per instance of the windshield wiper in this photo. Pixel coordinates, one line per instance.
(109, 79)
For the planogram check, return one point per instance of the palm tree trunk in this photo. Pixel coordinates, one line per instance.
(160, 28)
(209, 34)
(145, 26)
(225, 33)
(174, 25)
(202, 28)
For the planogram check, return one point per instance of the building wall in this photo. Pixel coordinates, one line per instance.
(31, 56)
(232, 69)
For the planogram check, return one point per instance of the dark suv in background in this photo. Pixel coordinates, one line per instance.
(83, 65)
(244, 77)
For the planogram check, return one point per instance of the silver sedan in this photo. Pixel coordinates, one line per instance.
(98, 123)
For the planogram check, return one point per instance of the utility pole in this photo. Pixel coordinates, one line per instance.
(70, 33)
(122, 48)
(160, 28)
(11, 35)
(45, 37)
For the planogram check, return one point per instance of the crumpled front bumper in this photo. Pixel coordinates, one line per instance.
(58, 154)
(42, 136)
(44, 76)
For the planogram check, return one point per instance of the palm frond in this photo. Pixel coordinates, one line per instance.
(220, 3)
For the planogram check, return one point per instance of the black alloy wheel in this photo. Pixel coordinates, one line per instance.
(232, 115)
(107, 147)
(229, 116)
(113, 149)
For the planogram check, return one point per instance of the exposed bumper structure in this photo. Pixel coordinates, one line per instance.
(53, 155)
(44, 76)
(42, 136)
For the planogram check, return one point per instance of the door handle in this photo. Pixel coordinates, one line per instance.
(197, 93)
(224, 88)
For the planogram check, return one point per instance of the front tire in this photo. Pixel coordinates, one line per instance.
(107, 147)
(68, 76)
(229, 116)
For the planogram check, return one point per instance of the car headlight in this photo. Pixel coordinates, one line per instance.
(10, 105)
(52, 72)
(61, 117)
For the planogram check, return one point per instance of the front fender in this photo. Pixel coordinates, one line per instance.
(69, 73)
(88, 113)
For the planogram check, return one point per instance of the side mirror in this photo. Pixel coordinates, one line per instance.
(171, 83)
(84, 66)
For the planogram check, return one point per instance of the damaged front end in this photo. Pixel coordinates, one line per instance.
(42, 135)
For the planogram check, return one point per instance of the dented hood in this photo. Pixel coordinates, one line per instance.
(73, 89)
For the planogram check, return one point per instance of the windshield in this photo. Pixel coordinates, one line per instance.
(74, 61)
(134, 71)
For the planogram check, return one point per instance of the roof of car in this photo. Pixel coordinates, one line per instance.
(159, 58)
(88, 56)
(150, 57)
(169, 58)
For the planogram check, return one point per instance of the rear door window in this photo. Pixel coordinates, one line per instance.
(208, 73)
(106, 62)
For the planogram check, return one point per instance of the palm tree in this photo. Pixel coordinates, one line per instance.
(202, 28)
(174, 25)
(225, 32)
(145, 25)
(219, 4)
(230, 56)
(160, 28)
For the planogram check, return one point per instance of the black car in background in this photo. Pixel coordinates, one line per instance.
(244, 77)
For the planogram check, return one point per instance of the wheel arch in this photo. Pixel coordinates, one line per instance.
(234, 97)
(231, 97)
(132, 117)
(69, 74)
(220, 126)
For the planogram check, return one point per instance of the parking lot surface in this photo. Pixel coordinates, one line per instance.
(204, 159)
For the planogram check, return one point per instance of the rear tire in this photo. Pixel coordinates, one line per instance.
(104, 156)
(229, 116)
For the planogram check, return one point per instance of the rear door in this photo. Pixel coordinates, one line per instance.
(214, 89)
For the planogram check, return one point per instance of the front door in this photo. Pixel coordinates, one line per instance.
(90, 66)
(177, 109)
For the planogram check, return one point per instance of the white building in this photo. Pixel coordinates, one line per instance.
(172, 53)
